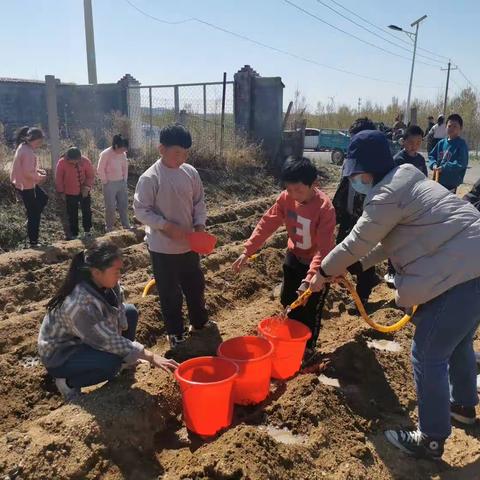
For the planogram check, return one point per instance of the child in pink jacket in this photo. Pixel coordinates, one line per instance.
(113, 172)
(26, 177)
(74, 181)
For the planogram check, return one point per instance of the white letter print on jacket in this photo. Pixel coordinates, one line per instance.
(304, 231)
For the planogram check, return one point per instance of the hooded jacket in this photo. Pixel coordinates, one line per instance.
(431, 236)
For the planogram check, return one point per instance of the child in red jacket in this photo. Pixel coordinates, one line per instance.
(74, 180)
(309, 217)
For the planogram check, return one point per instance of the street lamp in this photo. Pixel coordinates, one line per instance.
(414, 36)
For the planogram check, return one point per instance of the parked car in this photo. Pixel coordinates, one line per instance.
(311, 139)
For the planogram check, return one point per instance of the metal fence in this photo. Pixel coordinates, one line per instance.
(206, 109)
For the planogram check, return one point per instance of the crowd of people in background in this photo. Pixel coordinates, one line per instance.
(386, 209)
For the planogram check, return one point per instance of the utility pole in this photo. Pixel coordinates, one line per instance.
(359, 105)
(414, 36)
(448, 69)
(90, 41)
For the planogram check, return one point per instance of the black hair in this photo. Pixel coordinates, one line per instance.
(299, 171)
(455, 117)
(360, 124)
(412, 131)
(119, 142)
(73, 153)
(440, 119)
(99, 255)
(28, 134)
(175, 135)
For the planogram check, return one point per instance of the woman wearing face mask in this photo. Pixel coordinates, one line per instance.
(432, 238)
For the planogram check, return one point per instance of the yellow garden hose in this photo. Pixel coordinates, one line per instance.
(343, 281)
(148, 286)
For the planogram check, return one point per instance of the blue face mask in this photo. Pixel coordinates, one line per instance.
(359, 186)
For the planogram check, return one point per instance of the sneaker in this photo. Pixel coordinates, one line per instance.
(461, 414)
(176, 340)
(87, 235)
(389, 280)
(478, 383)
(209, 324)
(416, 443)
(68, 393)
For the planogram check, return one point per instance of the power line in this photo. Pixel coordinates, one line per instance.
(270, 47)
(310, 14)
(467, 80)
(374, 33)
(384, 30)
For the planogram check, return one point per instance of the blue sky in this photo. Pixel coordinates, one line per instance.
(42, 37)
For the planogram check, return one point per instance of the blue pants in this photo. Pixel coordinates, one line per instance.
(88, 366)
(443, 358)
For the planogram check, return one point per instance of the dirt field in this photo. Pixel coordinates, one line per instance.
(131, 428)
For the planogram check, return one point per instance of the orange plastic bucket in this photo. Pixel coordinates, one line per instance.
(202, 242)
(289, 339)
(206, 384)
(253, 355)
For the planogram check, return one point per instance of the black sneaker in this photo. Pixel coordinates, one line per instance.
(208, 325)
(176, 340)
(465, 415)
(416, 444)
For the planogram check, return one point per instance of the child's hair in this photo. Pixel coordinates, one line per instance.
(360, 124)
(99, 255)
(73, 153)
(119, 142)
(440, 119)
(412, 131)
(299, 171)
(28, 134)
(455, 117)
(175, 135)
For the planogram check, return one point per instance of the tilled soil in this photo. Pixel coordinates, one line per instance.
(325, 423)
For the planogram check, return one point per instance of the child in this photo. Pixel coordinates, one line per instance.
(26, 177)
(348, 209)
(436, 133)
(88, 332)
(113, 172)
(309, 217)
(412, 141)
(169, 200)
(74, 180)
(450, 155)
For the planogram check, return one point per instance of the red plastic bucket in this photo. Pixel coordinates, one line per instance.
(253, 355)
(202, 242)
(206, 384)
(289, 339)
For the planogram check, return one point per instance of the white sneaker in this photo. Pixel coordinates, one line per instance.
(68, 393)
(210, 324)
(389, 279)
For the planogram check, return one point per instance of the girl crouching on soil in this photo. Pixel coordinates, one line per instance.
(432, 238)
(88, 333)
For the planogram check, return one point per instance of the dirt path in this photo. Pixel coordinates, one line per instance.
(131, 428)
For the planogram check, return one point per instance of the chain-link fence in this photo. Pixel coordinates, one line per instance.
(206, 109)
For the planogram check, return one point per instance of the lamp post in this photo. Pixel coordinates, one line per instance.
(413, 36)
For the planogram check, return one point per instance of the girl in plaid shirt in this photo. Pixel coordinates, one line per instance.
(88, 333)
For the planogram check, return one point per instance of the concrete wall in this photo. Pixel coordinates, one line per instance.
(79, 106)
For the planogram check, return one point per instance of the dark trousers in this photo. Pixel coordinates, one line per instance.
(35, 200)
(311, 313)
(177, 275)
(88, 366)
(367, 280)
(72, 204)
